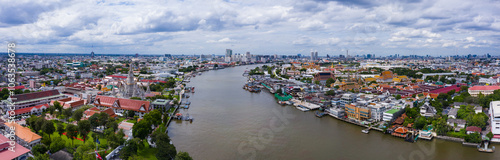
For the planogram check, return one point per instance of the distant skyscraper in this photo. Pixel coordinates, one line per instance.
(168, 55)
(229, 53)
(92, 53)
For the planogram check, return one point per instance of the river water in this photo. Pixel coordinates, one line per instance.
(231, 123)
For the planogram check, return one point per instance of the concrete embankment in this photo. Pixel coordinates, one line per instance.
(453, 139)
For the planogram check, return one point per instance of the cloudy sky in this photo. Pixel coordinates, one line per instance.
(381, 27)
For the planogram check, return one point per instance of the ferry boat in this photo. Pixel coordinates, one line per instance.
(365, 131)
(483, 147)
(302, 108)
(319, 114)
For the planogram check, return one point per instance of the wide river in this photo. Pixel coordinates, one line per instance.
(231, 123)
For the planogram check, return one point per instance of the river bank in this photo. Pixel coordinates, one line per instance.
(237, 124)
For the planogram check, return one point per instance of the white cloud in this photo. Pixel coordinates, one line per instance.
(259, 26)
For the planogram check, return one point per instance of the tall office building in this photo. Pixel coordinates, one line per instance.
(314, 55)
(229, 53)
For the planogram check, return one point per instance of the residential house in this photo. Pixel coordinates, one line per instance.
(457, 124)
(453, 113)
(427, 110)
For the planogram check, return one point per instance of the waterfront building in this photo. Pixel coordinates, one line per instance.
(392, 114)
(495, 120)
(33, 99)
(336, 112)
(120, 105)
(427, 110)
(359, 113)
(347, 98)
(453, 113)
(24, 136)
(19, 153)
(160, 104)
(485, 90)
(457, 124)
(377, 111)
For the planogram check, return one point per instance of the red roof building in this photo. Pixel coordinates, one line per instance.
(120, 105)
(70, 102)
(31, 110)
(16, 87)
(35, 98)
(485, 90)
(472, 129)
(19, 151)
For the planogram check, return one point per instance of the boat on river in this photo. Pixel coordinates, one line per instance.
(302, 108)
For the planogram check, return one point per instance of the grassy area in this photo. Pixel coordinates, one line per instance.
(147, 152)
(120, 119)
(90, 137)
(171, 110)
(131, 121)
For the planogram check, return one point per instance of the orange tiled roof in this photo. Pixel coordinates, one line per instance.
(23, 132)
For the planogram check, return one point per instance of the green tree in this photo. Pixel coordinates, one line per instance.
(38, 124)
(58, 106)
(78, 114)
(141, 129)
(51, 110)
(135, 98)
(39, 149)
(329, 81)
(420, 123)
(130, 148)
(41, 157)
(67, 113)
(112, 124)
(99, 87)
(130, 113)
(103, 119)
(398, 96)
(489, 135)
(60, 128)
(330, 93)
(83, 129)
(71, 132)
(183, 156)
(441, 127)
(316, 82)
(473, 138)
(165, 149)
(94, 120)
(48, 127)
(153, 117)
(57, 144)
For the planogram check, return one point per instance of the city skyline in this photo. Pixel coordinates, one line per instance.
(261, 27)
